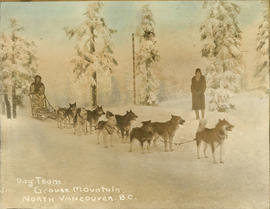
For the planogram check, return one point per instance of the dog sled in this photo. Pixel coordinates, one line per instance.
(41, 107)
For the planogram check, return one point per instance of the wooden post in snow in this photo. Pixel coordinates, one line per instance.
(134, 75)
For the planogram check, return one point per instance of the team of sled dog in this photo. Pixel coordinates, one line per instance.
(83, 121)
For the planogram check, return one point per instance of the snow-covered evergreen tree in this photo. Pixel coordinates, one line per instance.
(18, 63)
(221, 36)
(147, 57)
(94, 60)
(262, 70)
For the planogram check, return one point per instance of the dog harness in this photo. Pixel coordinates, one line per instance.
(109, 129)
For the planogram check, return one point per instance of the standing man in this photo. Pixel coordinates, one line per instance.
(37, 95)
(198, 86)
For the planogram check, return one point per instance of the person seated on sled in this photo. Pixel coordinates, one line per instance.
(37, 94)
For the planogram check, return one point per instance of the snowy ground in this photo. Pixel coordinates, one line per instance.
(158, 180)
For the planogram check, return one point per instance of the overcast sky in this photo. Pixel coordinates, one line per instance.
(47, 19)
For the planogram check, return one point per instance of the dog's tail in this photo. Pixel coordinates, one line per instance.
(202, 125)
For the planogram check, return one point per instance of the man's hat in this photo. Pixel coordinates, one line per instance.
(37, 76)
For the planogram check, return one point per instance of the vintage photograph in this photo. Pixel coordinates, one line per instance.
(134, 104)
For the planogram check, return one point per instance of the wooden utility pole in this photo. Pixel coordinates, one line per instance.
(134, 75)
(94, 90)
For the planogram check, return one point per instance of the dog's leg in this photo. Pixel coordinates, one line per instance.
(148, 145)
(90, 126)
(75, 130)
(118, 133)
(155, 140)
(85, 128)
(98, 136)
(78, 128)
(221, 150)
(81, 129)
(123, 135)
(198, 142)
(142, 147)
(166, 143)
(131, 143)
(213, 152)
(64, 123)
(59, 123)
(204, 149)
(105, 139)
(170, 143)
(127, 134)
(68, 122)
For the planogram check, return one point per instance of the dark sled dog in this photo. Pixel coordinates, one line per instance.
(106, 128)
(166, 130)
(65, 116)
(80, 122)
(124, 123)
(213, 137)
(71, 112)
(93, 116)
(142, 134)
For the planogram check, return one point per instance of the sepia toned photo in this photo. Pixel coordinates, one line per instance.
(134, 104)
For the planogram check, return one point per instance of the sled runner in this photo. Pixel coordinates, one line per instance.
(41, 108)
